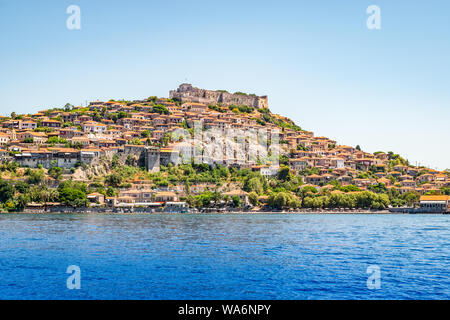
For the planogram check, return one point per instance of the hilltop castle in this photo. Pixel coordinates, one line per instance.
(187, 93)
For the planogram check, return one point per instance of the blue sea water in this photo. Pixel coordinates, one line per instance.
(248, 256)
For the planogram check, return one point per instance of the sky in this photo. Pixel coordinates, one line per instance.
(384, 89)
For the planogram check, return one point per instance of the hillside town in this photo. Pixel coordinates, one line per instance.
(144, 154)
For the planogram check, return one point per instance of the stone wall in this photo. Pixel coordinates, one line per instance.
(187, 93)
(152, 159)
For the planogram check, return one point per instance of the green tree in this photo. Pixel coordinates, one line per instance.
(136, 142)
(253, 184)
(36, 177)
(411, 197)
(445, 190)
(283, 160)
(114, 180)
(68, 107)
(159, 108)
(55, 172)
(283, 199)
(130, 161)
(110, 192)
(236, 201)
(56, 140)
(115, 161)
(284, 173)
(22, 187)
(253, 198)
(73, 194)
(6, 191)
(378, 188)
(21, 202)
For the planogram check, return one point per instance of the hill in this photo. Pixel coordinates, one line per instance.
(206, 148)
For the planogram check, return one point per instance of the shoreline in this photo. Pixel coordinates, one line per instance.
(302, 212)
(217, 211)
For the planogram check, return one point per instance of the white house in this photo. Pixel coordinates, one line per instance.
(4, 138)
(269, 171)
(23, 125)
(92, 126)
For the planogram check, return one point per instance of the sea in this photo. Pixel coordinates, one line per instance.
(224, 256)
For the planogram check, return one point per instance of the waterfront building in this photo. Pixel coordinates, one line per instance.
(435, 203)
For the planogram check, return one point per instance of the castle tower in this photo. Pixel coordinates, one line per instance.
(152, 159)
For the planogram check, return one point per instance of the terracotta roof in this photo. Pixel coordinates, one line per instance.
(165, 193)
(434, 198)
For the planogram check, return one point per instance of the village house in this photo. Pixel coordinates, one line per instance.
(51, 123)
(404, 189)
(4, 139)
(65, 157)
(395, 174)
(27, 125)
(80, 140)
(93, 127)
(268, 171)
(384, 181)
(157, 134)
(165, 196)
(83, 118)
(412, 171)
(135, 195)
(38, 137)
(345, 180)
(400, 168)
(337, 163)
(105, 143)
(11, 124)
(90, 155)
(314, 179)
(408, 183)
(242, 195)
(364, 163)
(68, 133)
(382, 156)
(34, 158)
(69, 116)
(194, 107)
(362, 182)
(96, 198)
(427, 177)
(435, 203)
(298, 165)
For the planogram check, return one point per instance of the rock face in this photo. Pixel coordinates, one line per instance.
(187, 93)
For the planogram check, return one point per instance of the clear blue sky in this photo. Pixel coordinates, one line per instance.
(385, 89)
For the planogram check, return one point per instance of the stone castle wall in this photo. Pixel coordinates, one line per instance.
(188, 93)
(148, 156)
